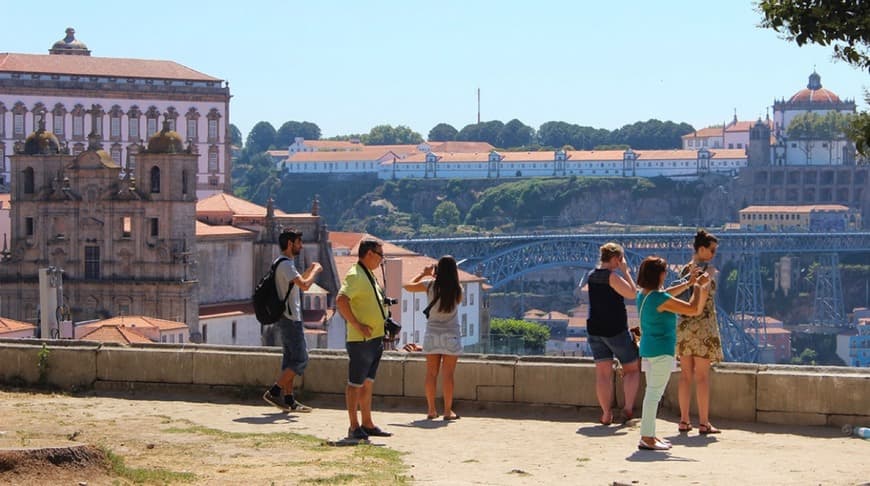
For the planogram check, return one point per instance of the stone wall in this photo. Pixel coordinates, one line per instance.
(742, 392)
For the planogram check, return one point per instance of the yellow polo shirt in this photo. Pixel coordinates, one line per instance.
(363, 303)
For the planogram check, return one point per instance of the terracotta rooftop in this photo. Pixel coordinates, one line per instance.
(112, 334)
(11, 325)
(228, 204)
(219, 310)
(704, 133)
(204, 230)
(99, 66)
(137, 321)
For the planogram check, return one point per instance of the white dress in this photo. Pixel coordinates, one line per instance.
(442, 330)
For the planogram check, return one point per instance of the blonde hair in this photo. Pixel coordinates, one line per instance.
(610, 250)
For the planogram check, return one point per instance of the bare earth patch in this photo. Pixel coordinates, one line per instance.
(57, 439)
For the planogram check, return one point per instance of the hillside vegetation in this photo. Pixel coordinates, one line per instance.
(429, 207)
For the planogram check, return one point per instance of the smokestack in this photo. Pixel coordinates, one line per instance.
(478, 106)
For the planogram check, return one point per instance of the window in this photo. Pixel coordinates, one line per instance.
(18, 125)
(133, 123)
(132, 153)
(78, 126)
(184, 182)
(212, 159)
(126, 226)
(151, 129)
(470, 299)
(28, 226)
(133, 128)
(233, 330)
(116, 153)
(162, 339)
(29, 182)
(57, 125)
(92, 262)
(2, 159)
(2, 120)
(115, 127)
(212, 130)
(205, 333)
(191, 129)
(155, 180)
(404, 306)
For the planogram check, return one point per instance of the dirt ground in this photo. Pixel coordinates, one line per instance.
(169, 439)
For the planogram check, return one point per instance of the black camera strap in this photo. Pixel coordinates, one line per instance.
(378, 295)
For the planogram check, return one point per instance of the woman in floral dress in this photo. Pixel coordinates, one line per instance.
(698, 342)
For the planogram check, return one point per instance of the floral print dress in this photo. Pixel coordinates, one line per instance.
(699, 335)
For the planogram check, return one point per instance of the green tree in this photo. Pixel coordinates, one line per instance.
(534, 335)
(442, 132)
(844, 25)
(287, 133)
(387, 135)
(481, 132)
(515, 134)
(261, 137)
(807, 357)
(235, 135)
(446, 214)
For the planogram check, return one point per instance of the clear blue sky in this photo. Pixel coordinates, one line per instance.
(350, 65)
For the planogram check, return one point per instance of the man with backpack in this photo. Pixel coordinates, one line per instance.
(288, 284)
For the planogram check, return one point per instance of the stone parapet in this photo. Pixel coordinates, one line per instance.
(745, 392)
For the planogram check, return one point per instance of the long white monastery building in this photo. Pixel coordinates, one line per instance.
(418, 162)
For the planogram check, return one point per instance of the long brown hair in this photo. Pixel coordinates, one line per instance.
(446, 287)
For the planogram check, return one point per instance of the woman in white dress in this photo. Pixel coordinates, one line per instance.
(441, 342)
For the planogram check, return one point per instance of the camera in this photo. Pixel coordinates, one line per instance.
(390, 301)
(392, 328)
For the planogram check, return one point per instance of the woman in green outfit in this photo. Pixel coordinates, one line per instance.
(658, 311)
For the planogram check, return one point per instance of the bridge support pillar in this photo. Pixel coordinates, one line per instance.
(749, 299)
(828, 309)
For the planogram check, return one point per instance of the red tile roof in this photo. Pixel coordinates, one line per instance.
(99, 66)
(112, 334)
(228, 204)
(137, 321)
(8, 325)
(204, 230)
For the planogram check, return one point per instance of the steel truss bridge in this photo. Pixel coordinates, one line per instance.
(502, 259)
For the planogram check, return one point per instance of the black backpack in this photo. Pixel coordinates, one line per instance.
(267, 306)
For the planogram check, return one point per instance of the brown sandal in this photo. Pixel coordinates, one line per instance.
(684, 427)
(708, 429)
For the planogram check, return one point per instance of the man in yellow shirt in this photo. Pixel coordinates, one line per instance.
(361, 303)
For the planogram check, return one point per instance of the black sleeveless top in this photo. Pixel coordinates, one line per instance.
(607, 316)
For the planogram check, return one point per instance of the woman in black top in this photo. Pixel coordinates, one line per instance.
(607, 326)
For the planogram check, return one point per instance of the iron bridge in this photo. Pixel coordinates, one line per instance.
(504, 258)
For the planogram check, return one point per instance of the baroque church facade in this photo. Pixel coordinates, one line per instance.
(124, 239)
(125, 100)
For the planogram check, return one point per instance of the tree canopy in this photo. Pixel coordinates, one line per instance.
(844, 25)
(388, 135)
(288, 132)
(534, 335)
(260, 138)
(443, 132)
(235, 135)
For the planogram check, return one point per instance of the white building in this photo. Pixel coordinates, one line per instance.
(400, 266)
(124, 101)
(793, 150)
(393, 164)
